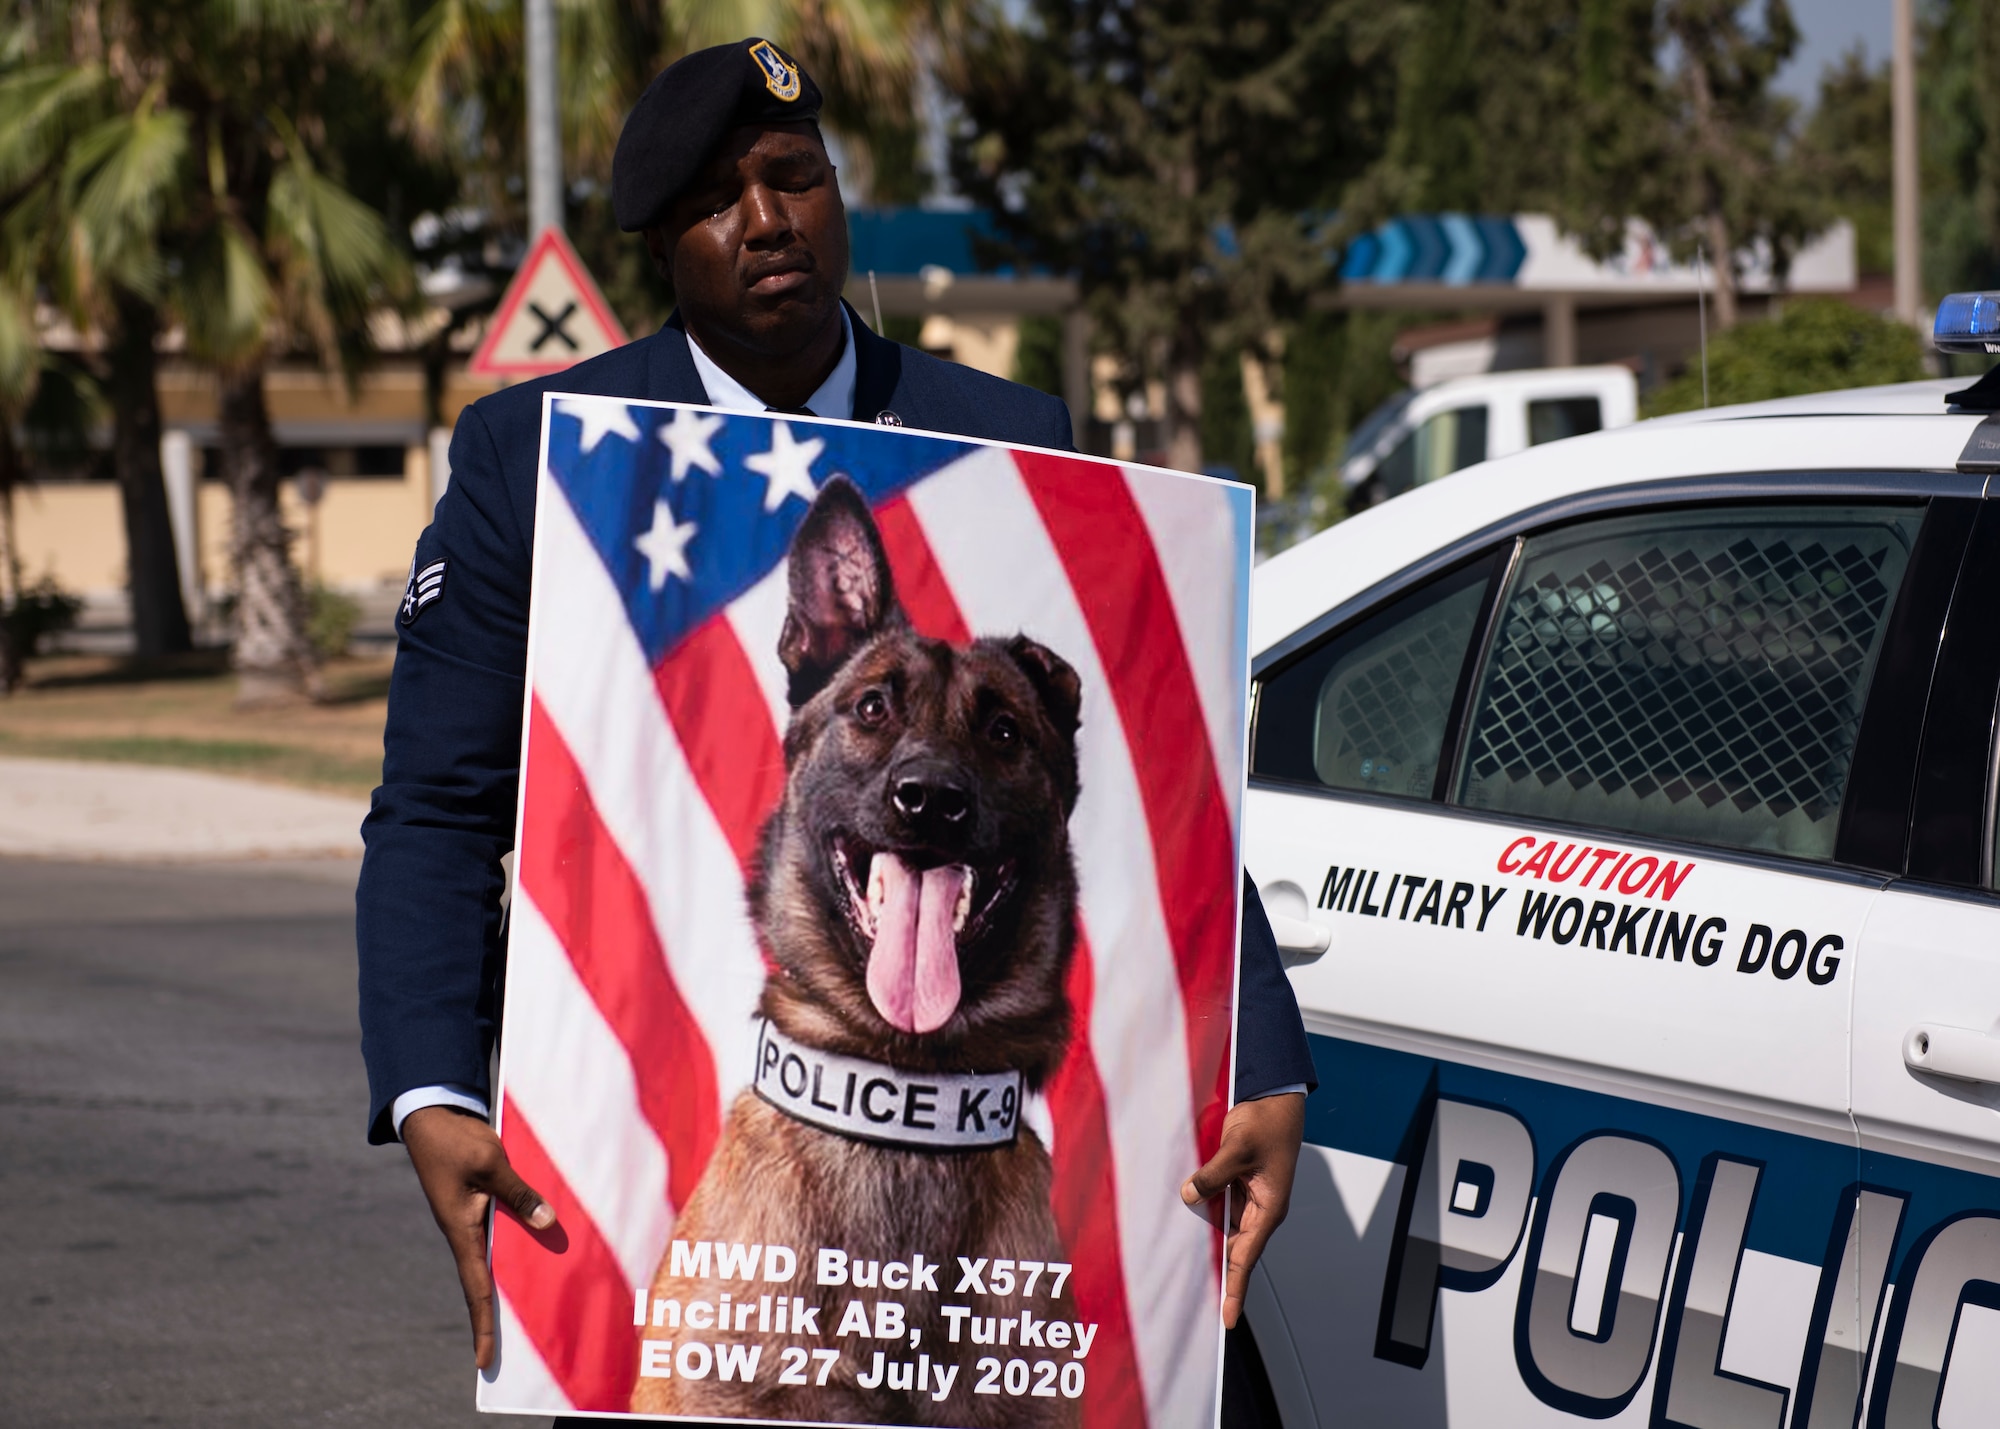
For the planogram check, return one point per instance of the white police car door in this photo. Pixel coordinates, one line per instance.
(1570, 810)
(1927, 1043)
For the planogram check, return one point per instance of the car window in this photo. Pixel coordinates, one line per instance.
(1696, 675)
(1449, 441)
(1376, 422)
(1552, 419)
(1993, 808)
(1443, 443)
(1398, 470)
(1367, 709)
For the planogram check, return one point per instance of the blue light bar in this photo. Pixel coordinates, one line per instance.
(1968, 322)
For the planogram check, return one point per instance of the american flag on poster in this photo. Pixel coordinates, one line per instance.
(654, 756)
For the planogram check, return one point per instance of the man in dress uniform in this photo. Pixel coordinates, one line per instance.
(722, 168)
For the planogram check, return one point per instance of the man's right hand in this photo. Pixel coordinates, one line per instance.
(464, 1170)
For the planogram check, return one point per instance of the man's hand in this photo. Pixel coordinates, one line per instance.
(463, 1170)
(1255, 1163)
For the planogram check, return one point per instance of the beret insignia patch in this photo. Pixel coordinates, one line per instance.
(781, 76)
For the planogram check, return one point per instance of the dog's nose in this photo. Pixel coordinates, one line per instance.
(931, 794)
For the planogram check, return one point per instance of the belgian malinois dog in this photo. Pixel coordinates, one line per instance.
(916, 896)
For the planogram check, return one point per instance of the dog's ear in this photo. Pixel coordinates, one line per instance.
(842, 594)
(1054, 680)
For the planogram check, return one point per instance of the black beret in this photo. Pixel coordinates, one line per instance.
(675, 127)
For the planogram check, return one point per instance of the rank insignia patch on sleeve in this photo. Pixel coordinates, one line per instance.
(425, 586)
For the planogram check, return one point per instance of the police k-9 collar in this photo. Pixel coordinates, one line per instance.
(871, 1101)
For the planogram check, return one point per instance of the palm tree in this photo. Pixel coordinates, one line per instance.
(83, 191)
(207, 191)
(467, 97)
(281, 256)
(19, 372)
(277, 257)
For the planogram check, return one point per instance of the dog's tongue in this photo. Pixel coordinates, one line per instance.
(913, 967)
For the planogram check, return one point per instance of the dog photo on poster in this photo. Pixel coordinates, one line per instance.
(872, 942)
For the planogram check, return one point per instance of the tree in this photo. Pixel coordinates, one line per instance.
(1601, 111)
(83, 188)
(280, 256)
(1179, 157)
(1844, 156)
(264, 252)
(1731, 186)
(1959, 90)
(1814, 345)
(468, 102)
(1504, 106)
(19, 376)
(178, 161)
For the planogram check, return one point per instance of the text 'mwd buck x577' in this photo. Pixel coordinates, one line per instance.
(1628, 808)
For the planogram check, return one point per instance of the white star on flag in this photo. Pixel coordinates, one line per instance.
(687, 436)
(601, 417)
(786, 467)
(665, 547)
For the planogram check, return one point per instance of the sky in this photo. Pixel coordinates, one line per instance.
(1828, 28)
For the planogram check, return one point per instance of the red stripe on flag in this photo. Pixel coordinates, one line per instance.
(578, 878)
(920, 584)
(1084, 1197)
(1106, 549)
(1086, 1209)
(566, 1288)
(724, 727)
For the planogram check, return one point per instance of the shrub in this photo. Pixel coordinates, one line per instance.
(41, 610)
(1814, 345)
(330, 620)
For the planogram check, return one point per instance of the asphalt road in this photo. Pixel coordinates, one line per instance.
(192, 1231)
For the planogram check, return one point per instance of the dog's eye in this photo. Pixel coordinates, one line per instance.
(1004, 731)
(872, 708)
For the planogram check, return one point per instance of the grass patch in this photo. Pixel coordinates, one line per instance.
(287, 764)
(182, 712)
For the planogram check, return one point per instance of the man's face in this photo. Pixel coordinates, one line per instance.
(756, 246)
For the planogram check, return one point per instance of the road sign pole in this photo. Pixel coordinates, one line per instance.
(545, 196)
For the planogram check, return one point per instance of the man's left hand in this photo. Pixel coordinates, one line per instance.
(1255, 1164)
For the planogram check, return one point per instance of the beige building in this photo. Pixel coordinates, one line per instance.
(365, 468)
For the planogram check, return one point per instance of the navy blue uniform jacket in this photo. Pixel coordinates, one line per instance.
(428, 908)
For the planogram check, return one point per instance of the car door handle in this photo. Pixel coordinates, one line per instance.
(1300, 941)
(1956, 1052)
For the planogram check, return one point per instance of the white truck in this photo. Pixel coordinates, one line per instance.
(1424, 434)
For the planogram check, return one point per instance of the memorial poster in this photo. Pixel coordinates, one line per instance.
(871, 943)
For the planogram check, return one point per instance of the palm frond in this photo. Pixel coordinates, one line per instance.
(334, 255)
(461, 47)
(286, 19)
(121, 179)
(40, 107)
(29, 227)
(323, 229)
(20, 350)
(606, 61)
(228, 305)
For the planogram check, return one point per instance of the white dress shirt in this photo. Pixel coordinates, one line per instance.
(835, 398)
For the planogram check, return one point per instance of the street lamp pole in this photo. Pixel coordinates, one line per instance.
(1903, 140)
(545, 190)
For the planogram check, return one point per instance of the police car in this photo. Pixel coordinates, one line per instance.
(1626, 811)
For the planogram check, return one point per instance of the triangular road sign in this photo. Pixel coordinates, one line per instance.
(551, 316)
